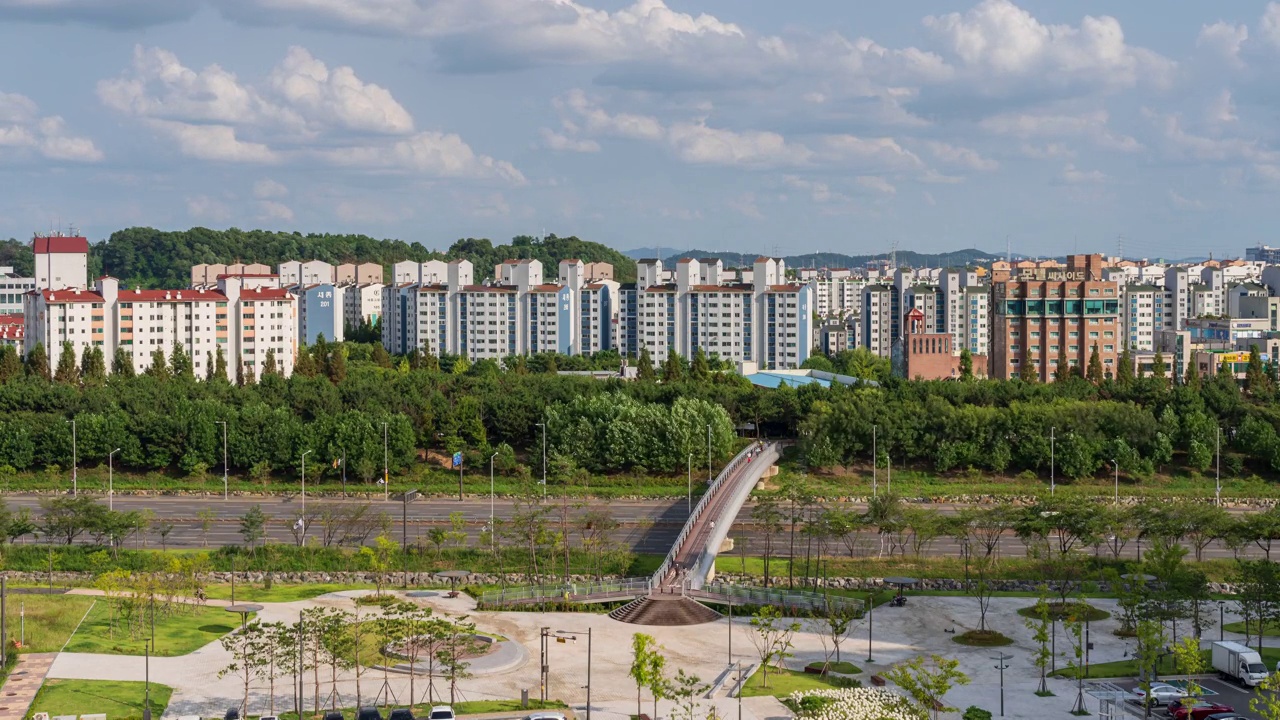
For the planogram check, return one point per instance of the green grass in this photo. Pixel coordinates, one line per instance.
(183, 632)
(785, 682)
(1129, 668)
(279, 592)
(49, 619)
(844, 667)
(1238, 627)
(469, 707)
(119, 700)
(1058, 611)
(982, 638)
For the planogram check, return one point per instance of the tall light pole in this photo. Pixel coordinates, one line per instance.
(111, 493)
(689, 502)
(223, 423)
(875, 461)
(493, 529)
(75, 481)
(1001, 666)
(708, 455)
(386, 477)
(544, 458)
(1117, 467)
(1051, 478)
(1217, 450)
(304, 481)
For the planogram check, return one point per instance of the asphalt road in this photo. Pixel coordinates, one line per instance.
(645, 526)
(1222, 692)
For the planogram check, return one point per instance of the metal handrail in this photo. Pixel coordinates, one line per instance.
(558, 591)
(661, 573)
(771, 596)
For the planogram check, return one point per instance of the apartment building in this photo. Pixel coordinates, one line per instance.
(244, 323)
(61, 261)
(361, 303)
(1042, 312)
(837, 298)
(320, 312)
(879, 318)
(12, 290)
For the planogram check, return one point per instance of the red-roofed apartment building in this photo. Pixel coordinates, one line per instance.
(62, 261)
(243, 323)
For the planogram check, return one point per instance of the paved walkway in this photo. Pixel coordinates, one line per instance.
(23, 683)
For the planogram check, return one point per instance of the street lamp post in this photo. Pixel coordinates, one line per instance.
(1221, 614)
(871, 621)
(75, 480)
(1217, 451)
(1001, 666)
(874, 461)
(493, 529)
(689, 501)
(1117, 467)
(304, 481)
(386, 477)
(708, 454)
(111, 492)
(544, 458)
(223, 423)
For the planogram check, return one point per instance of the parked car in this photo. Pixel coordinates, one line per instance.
(441, 712)
(333, 715)
(232, 714)
(368, 713)
(1196, 709)
(401, 714)
(1162, 693)
(1226, 716)
(546, 715)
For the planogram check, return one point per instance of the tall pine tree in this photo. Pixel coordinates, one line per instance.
(93, 367)
(1124, 371)
(644, 365)
(122, 363)
(38, 362)
(10, 363)
(181, 362)
(159, 367)
(271, 366)
(220, 364)
(1095, 366)
(1063, 369)
(67, 373)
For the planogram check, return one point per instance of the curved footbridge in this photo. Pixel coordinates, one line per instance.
(686, 577)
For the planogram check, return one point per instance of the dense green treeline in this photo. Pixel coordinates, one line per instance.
(156, 258)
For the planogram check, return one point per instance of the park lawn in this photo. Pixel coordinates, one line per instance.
(1129, 668)
(49, 619)
(469, 707)
(119, 700)
(188, 629)
(279, 592)
(1238, 627)
(785, 682)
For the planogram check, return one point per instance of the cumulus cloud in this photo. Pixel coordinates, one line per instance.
(1091, 125)
(24, 129)
(1224, 40)
(1269, 25)
(302, 110)
(266, 189)
(274, 210)
(961, 156)
(553, 140)
(997, 40)
(203, 207)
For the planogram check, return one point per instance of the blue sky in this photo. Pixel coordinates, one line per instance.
(724, 125)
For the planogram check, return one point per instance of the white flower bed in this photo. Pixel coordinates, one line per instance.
(857, 704)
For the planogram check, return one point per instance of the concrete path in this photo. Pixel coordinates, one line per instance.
(23, 683)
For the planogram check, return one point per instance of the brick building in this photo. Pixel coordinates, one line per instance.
(1042, 312)
(929, 355)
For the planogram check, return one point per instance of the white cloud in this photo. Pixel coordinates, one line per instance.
(109, 13)
(302, 110)
(335, 97)
(1071, 175)
(553, 140)
(877, 184)
(266, 189)
(24, 129)
(1222, 109)
(1183, 145)
(1091, 125)
(1269, 25)
(963, 156)
(880, 152)
(999, 40)
(272, 210)
(697, 143)
(214, 142)
(598, 122)
(203, 207)
(1048, 151)
(1224, 40)
(818, 192)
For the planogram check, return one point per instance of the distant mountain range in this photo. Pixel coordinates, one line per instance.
(958, 258)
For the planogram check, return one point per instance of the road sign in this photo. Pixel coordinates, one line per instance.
(457, 459)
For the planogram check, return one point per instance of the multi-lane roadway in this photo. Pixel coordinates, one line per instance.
(645, 526)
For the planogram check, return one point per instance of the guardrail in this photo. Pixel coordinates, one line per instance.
(795, 599)
(599, 591)
(737, 462)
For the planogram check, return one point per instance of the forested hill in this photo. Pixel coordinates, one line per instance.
(157, 258)
(906, 258)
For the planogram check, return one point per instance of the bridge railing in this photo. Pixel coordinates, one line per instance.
(737, 462)
(795, 599)
(623, 587)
